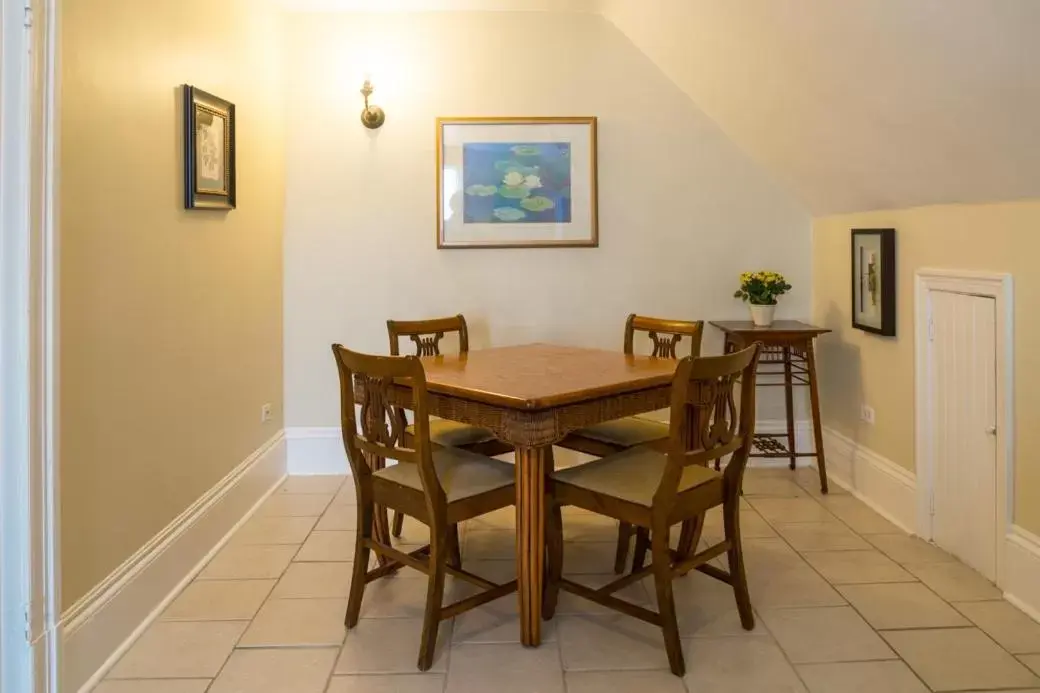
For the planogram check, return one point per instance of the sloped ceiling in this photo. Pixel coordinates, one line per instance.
(861, 104)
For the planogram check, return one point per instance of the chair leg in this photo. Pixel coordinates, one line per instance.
(624, 538)
(361, 559)
(434, 599)
(735, 554)
(554, 569)
(662, 565)
(642, 545)
(454, 547)
(398, 526)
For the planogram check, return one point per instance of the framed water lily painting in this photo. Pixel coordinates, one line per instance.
(516, 183)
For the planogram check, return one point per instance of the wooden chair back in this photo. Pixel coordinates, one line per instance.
(427, 334)
(664, 334)
(708, 386)
(378, 431)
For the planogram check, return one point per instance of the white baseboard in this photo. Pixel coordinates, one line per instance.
(1021, 575)
(890, 490)
(101, 626)
(316, 450)
(319, 449)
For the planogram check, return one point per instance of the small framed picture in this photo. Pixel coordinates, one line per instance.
(209, 151)
(516, 183)
(874, 281)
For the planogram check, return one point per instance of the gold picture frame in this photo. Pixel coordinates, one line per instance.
(209, 151)
(507, 182)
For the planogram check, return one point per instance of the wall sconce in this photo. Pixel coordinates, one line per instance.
(373, 116)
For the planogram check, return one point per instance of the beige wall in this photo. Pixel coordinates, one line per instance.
(682, 211)
(170, 319)
(859, 367)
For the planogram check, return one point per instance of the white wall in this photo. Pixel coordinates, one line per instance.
(682, 210)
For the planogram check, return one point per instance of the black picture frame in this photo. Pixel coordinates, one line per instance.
(209, 130)
(866, 244)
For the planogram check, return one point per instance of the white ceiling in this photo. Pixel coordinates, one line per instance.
(853, 104)
(862, 104)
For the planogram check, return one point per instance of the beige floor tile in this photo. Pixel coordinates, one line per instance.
(857, 515)
(303, 670)
(623, 682)
(573, 604)
(907, 550)
(179, 650)
(390, 646)
(153, 686)
(1012, 629)
(400, 683)
(957, 659)
(414, 532)
(318, 483)
(328, 546)
(790, 510)
(791, 587)
(956, 582)
(297, 623)
(775, 486)
(589, 557)
(488, 545)
(902, 605)
(314, 580)
(752, 525)
(596, 643)
(821, 536)
(739, 665)
(809, 479)
(337, 518)
(771, 555)
(497, 622)
(504, 669)
(248, 563)
(835, 634)
(705, 607)
(857, 567)
(347, 494)
(1032, 661)
(395, 597)
(219, 600)
(295, 505)
(861, 677)
(503, 518)
(274, 530)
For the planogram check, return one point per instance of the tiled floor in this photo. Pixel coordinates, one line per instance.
(846, 603)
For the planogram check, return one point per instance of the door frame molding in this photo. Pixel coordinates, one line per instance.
(998, 286)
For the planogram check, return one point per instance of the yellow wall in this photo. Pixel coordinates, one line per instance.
(858, 367)
(170, 319)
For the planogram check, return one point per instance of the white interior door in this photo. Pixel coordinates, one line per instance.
(963, 364)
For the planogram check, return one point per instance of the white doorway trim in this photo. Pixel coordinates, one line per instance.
(997, 286)
(29, 570)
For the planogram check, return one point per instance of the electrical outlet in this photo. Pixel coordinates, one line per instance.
(265, 413)
(866, 414)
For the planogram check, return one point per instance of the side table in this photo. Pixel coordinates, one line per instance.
(788, 360)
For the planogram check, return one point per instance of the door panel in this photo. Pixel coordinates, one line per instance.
(963, 351)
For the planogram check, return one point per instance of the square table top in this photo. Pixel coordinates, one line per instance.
(778, 327)
(540, 376)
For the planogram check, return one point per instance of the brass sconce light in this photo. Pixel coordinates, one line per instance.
(373, 116)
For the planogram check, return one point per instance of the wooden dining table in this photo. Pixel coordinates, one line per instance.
(531, 397)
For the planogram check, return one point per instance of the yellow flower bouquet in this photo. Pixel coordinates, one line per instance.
(761, 289)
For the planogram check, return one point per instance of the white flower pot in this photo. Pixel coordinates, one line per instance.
(762, 316)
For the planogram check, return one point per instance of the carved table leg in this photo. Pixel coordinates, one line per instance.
(814, 400)
(532, 465)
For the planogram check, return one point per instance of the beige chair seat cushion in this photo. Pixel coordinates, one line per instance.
(454, 434)
(627, 432)
(463, 474)
(632, 475)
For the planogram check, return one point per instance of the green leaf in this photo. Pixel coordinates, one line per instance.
(508, 165)
(508, 214)
(514, 192)
(526, 150)
(482, 190)
(538, 203)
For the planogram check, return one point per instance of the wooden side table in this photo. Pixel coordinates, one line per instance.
(788, 360)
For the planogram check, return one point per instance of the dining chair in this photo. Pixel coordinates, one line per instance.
(439, 486)
(657, 490)
(614, 436)
(427, 335)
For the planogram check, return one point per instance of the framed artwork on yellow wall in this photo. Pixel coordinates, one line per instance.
(874, 281)
(516, 183)
(209, 151)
